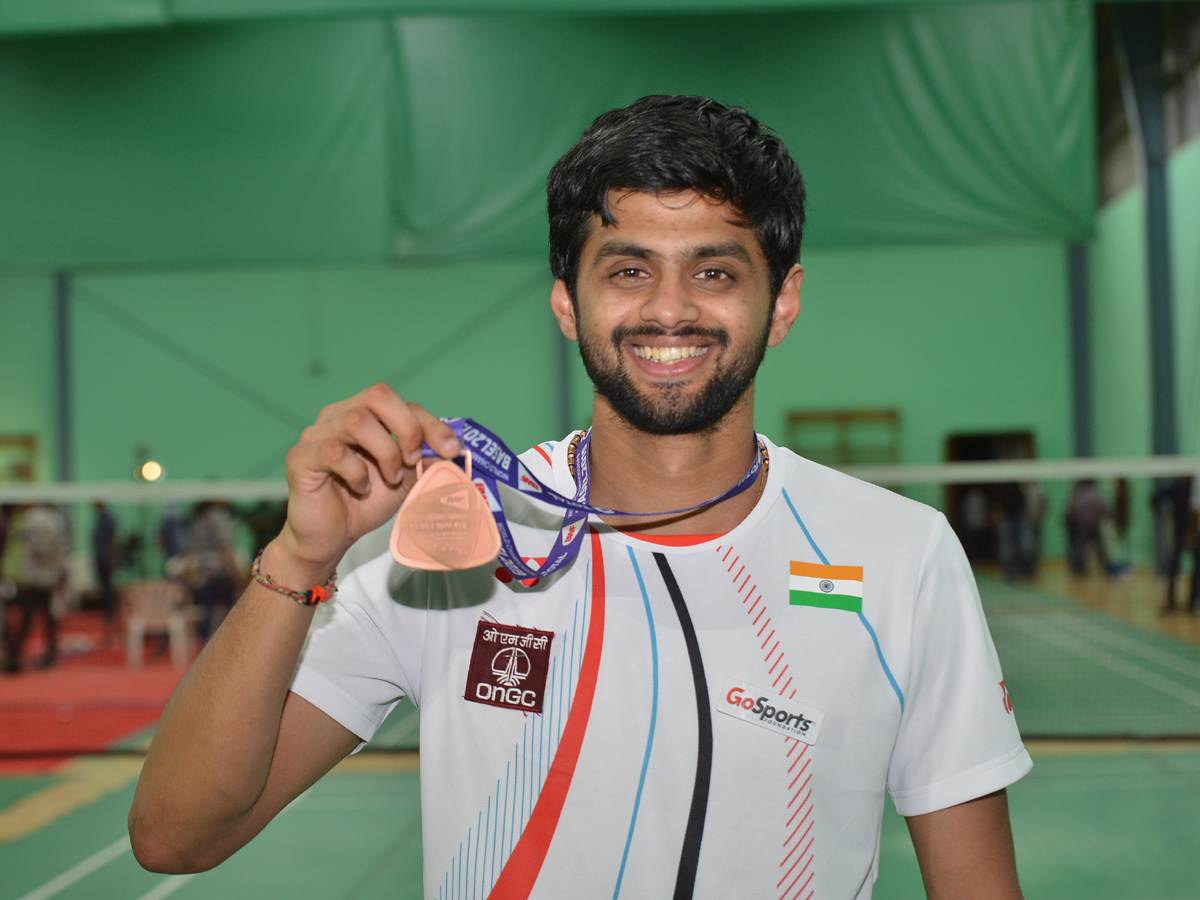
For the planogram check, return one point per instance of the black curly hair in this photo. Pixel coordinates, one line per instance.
(672, 143)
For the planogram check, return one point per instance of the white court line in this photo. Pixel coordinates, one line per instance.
(1082, 648)
(1067, 784)
(1138, 648)
(167, 887)
(80, 871)
(117, 848)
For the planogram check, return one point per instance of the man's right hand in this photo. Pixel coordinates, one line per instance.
(349, 474)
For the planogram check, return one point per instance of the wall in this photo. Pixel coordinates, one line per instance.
(1120, 314)
(1122, 388)
(217, 372)
(959, 338)
(28, 385)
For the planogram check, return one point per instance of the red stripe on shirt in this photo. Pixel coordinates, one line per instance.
(521, 871)
(673, 540)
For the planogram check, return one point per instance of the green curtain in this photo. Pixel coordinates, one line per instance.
(196, 145)
(430, 137)
(953, 123)
(45, 16)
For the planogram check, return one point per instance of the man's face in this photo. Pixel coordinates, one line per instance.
(672, 310)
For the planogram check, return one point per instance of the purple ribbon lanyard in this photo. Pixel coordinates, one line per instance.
(493, 463)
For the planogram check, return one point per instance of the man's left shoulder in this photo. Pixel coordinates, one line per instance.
(836, 496)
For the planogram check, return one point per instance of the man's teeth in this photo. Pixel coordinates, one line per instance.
(669, 354)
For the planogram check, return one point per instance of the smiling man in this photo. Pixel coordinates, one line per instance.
(710, 702)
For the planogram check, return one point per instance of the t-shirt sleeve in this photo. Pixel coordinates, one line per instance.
(958, 738)
(361, 649)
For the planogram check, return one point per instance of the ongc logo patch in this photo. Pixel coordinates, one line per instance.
(509, 666)
(787, 717)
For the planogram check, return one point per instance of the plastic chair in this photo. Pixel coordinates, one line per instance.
(157, 606)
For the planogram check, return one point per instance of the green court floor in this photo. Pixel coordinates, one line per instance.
(1093, 821)
(352, 837)
(1095, 826)
(1074, 672)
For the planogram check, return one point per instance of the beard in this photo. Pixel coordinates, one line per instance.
(669, 409)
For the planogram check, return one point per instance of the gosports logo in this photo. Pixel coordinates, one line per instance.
(750, 704)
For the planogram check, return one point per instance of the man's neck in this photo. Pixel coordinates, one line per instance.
(640, 472)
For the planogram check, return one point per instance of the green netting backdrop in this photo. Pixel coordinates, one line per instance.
(429, 137)
(34, 16)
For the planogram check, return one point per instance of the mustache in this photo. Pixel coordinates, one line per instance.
(623, 332)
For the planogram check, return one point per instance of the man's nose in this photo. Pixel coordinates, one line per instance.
(670, 304)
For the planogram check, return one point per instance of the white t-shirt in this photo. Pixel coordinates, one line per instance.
(726, 714)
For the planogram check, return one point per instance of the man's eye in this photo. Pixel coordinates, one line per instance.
(712, 274)
(629, 272)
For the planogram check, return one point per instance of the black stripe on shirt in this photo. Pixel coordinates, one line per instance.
(689, 857)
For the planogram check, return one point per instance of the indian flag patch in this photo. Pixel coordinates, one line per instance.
(826, 587)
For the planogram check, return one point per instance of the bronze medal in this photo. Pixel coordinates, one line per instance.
(444, 523)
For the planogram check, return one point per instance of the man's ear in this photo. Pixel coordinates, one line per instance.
(787, 306)
(564, 310)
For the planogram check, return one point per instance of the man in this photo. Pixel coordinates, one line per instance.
(105, 553)
(1175, 501)
(36, 561)
(724, 694)
(215, 573)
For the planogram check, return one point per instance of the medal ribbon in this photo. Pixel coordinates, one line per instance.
(493, 464)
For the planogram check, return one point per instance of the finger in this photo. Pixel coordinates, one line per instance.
(310, 465)
(397, 418)
(361, 429)
(379, 397)
(438, 434)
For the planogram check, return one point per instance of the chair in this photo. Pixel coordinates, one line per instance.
(158, 606)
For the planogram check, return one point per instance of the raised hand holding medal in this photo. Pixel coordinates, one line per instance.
(348, 475)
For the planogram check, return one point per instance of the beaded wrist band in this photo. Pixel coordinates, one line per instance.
(319, 594)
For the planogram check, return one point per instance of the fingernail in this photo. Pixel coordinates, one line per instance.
(450, 445)
(413, 456)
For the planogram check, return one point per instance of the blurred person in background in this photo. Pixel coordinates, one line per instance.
(265, 519)
(6, 588)
(1008, 517)
(35, 561)
(172, 534)
(215, 576)
(105, 555)
(1175, 501)
(5, 516)
(1086, 511)
(1017, 515)
(1194, 520)
(1115, 530)
(1033, 513)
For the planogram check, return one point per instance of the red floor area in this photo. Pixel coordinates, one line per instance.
(86, 703)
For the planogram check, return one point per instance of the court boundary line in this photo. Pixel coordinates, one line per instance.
(168, 886)
(1072, 644)
(81, 870)
(1139, 646)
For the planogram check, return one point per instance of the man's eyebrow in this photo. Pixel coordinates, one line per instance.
(726, 248)
(732, 249)
(617, 248)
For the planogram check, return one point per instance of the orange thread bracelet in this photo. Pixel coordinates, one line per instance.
(319, 594)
